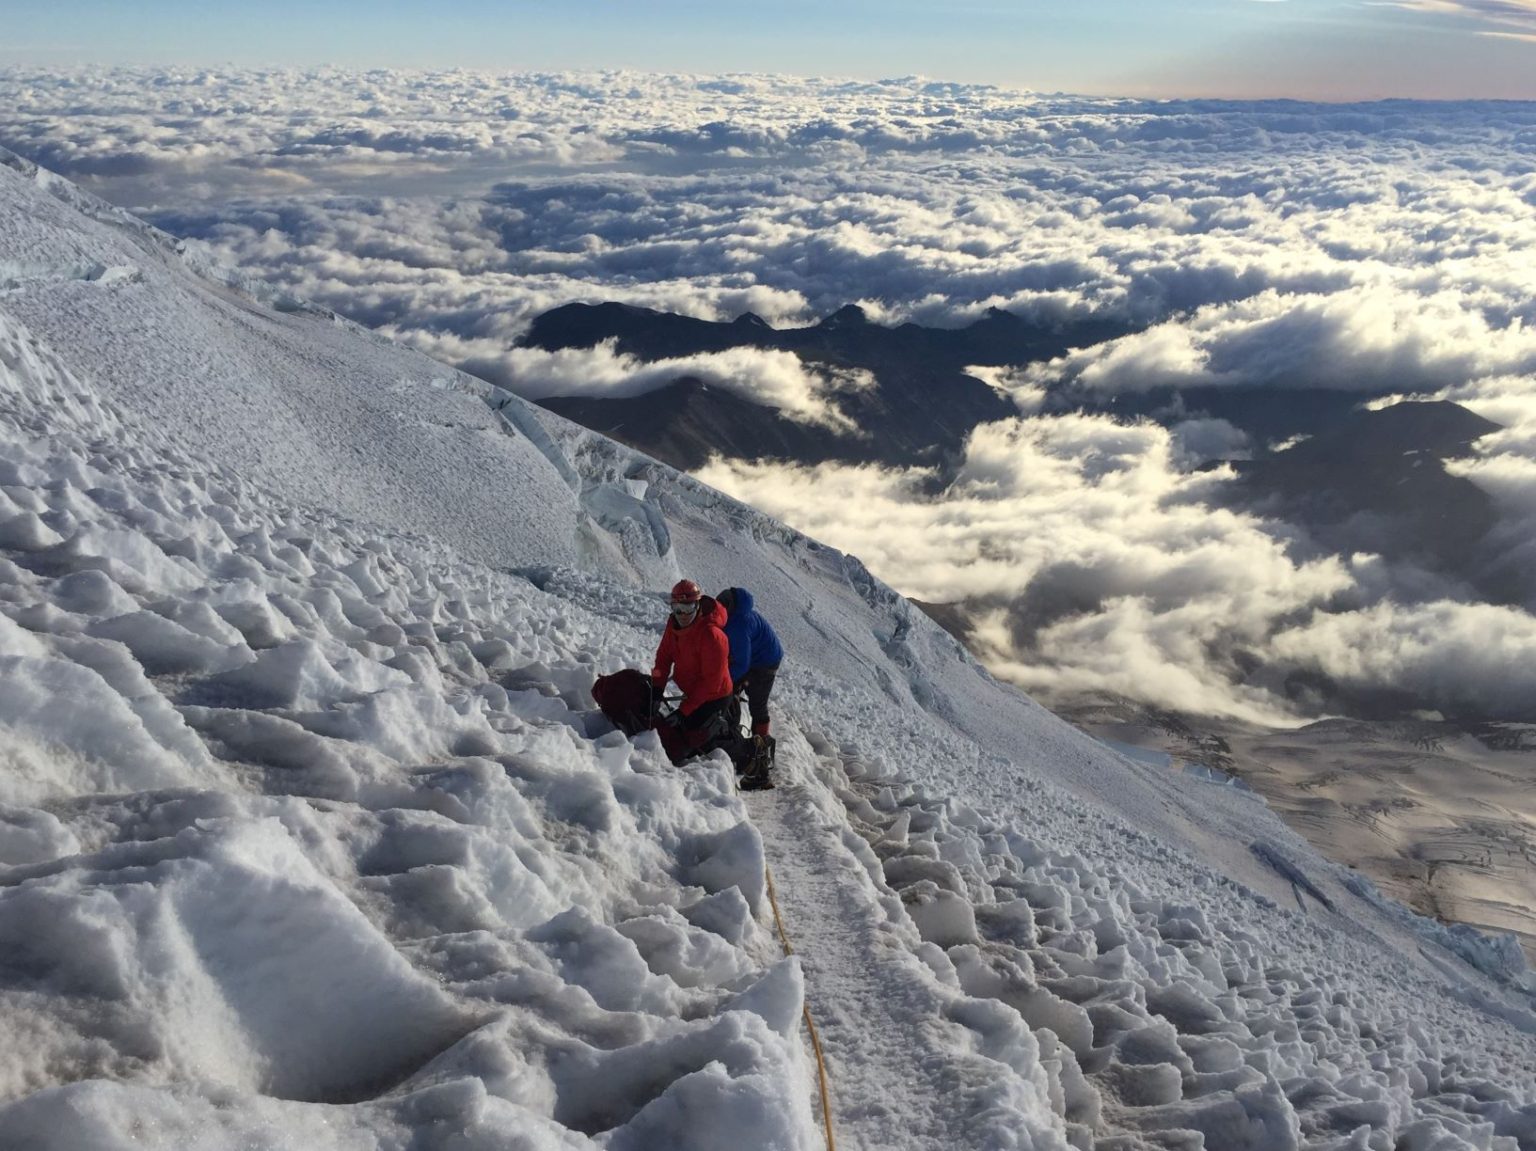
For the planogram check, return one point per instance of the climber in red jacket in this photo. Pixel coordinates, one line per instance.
(696, 655)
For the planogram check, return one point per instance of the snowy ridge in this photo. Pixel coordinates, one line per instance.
(311, 836)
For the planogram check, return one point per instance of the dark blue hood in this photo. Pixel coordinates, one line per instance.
(743, 602)
(753, 642)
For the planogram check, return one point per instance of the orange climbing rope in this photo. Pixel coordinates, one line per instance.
(821, 1062)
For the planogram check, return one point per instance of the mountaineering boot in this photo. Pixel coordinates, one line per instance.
(755, 776)
(755, 781)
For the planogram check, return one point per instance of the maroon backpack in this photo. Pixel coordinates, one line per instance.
(633, 705)
(628, 699)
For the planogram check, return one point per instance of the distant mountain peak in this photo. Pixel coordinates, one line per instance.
(1376, 482)
(848, 316)
(1437, 426)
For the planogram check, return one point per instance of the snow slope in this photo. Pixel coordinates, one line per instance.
(311, 837)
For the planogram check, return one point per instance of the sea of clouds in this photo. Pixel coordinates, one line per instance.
(1365, 247)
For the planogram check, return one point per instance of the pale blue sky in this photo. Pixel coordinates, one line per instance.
(1327, 49)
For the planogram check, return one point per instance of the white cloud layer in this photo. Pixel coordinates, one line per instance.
(778, 379)
(395, 194)
(1109, 571)
(1375, 246)
(1136, 584)
(1365, 337)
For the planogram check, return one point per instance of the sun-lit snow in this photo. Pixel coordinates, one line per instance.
(311, 835)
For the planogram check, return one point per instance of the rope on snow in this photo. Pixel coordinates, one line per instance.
(810, 1024)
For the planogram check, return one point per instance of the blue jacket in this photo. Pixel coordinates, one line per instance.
(753, 643)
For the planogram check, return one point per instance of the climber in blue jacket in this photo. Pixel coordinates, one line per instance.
(755, 654)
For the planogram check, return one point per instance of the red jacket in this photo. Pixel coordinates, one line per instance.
(698, 657)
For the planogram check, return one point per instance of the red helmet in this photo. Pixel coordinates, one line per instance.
(686, 591)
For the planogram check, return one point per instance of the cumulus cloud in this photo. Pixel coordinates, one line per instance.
(1459, 655)
(778, 379)
(1094, 562)
(1367, 338)
(1104, 562)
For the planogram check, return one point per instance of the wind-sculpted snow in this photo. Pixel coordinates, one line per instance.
(295, 811)
(311, 836)
(1154, 1018)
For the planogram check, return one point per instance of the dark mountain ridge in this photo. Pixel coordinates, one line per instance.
(924, 406)
(1357, 480)
(1376, 481)
(687, 420)
(845, 336)
(925, 401)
